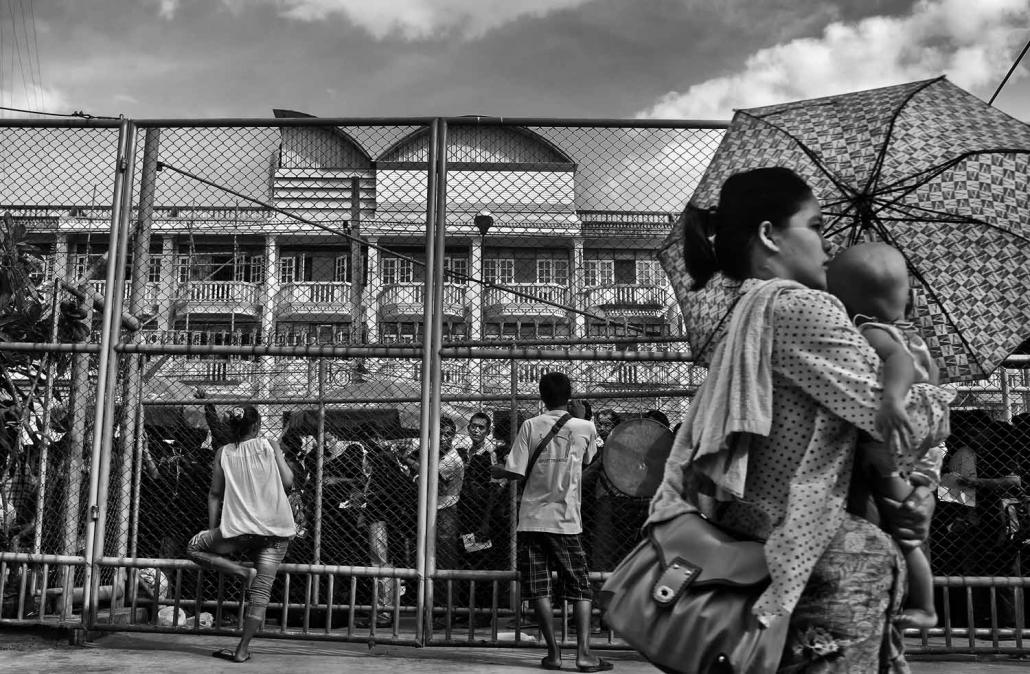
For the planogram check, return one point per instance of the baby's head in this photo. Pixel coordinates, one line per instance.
(870, 279)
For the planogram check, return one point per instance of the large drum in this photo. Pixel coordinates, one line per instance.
(634, 456)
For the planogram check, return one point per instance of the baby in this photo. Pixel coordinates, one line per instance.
(871, 280)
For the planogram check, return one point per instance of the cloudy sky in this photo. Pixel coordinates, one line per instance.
(696, 59)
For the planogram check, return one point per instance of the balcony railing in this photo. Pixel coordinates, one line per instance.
(299, 376)
(408, 299)
(639, 374)
(208, 370)
(220, 297)
(627, 299)
(532, 299)
(527, 375)
(315, 297)
(149, 302)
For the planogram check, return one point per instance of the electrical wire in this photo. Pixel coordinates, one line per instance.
(35, 44)
(31, 56)
(77, 113)
(17, 47)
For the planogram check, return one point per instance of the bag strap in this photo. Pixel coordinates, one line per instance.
(543, 444)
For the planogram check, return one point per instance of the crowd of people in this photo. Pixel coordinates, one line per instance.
(829, 443)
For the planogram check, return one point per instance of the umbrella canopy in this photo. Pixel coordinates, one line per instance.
(926, 167)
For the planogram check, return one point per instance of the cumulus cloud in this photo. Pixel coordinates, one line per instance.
(424, 19)
(167, 8)
(972, 43)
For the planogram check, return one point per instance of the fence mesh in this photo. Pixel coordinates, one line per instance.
(258, 254)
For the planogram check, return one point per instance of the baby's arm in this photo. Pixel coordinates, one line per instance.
(899, 373)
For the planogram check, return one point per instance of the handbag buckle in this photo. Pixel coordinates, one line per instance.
(673, 580)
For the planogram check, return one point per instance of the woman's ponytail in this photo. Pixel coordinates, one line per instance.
(699, 227)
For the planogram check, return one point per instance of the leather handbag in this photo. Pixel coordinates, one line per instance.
(683, 599)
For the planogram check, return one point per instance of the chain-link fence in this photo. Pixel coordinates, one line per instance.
(386, 294)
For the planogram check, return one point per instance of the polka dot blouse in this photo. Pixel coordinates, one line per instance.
(826, 387)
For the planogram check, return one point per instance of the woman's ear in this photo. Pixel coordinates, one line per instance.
(765, 237)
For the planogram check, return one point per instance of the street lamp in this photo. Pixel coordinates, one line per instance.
(484, 220)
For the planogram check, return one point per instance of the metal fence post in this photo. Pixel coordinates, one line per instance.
(103, 433)
(433, 338)
(133, 383)
(426, 522)
(1006, 398)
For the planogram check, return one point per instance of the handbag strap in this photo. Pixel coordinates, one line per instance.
(543, 444)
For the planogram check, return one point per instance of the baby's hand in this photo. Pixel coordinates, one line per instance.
(893, 424)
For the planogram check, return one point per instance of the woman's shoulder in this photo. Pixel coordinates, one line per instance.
(808, 305)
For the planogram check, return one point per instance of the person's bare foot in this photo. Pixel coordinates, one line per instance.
(916, 618)
(593, 664)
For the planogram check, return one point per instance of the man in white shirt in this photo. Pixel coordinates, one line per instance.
(550, 522)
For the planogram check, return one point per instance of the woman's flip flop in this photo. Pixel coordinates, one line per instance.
(230, 655)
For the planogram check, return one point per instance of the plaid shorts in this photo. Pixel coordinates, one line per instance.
(540, 553)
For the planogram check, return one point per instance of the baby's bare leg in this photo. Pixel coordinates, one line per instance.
(919, 611)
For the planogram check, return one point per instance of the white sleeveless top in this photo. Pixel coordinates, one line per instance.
(254, 501)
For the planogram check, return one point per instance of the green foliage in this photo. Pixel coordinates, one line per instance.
(24, 317)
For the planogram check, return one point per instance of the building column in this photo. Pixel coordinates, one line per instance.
(476, 271)
(60, 256)
(372, 290)
(167, 291)
(579, 326)
(266, 364)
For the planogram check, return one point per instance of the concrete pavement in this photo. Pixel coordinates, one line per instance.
(159, 653)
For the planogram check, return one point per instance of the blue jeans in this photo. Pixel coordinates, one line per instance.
(208, 549)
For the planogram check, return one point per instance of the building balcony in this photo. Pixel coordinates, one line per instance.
(406, 301)
(211, 370)
(497, 375)
(628, 300)
(219, 298)
(453, 373)
(531, 302)
(149, 303)
(299, 376)
(326, 301)
(642, 375)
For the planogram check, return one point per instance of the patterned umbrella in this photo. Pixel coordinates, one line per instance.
(924, 166)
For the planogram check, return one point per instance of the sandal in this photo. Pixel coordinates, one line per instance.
(547, 663)
(230, 655)
(601, 666)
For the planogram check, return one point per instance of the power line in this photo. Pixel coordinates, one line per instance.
(35, 43)
(77, 113)
(1009, 73)
(17, 47)
(29, 55)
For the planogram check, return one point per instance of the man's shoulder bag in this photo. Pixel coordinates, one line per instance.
(544, 442)
(683, 599)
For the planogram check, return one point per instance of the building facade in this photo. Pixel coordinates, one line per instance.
(542, 269)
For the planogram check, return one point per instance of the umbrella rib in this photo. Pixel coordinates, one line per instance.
(928, 174)
(840, 184)
(929, 290)
(914, 212)
(881, 155)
